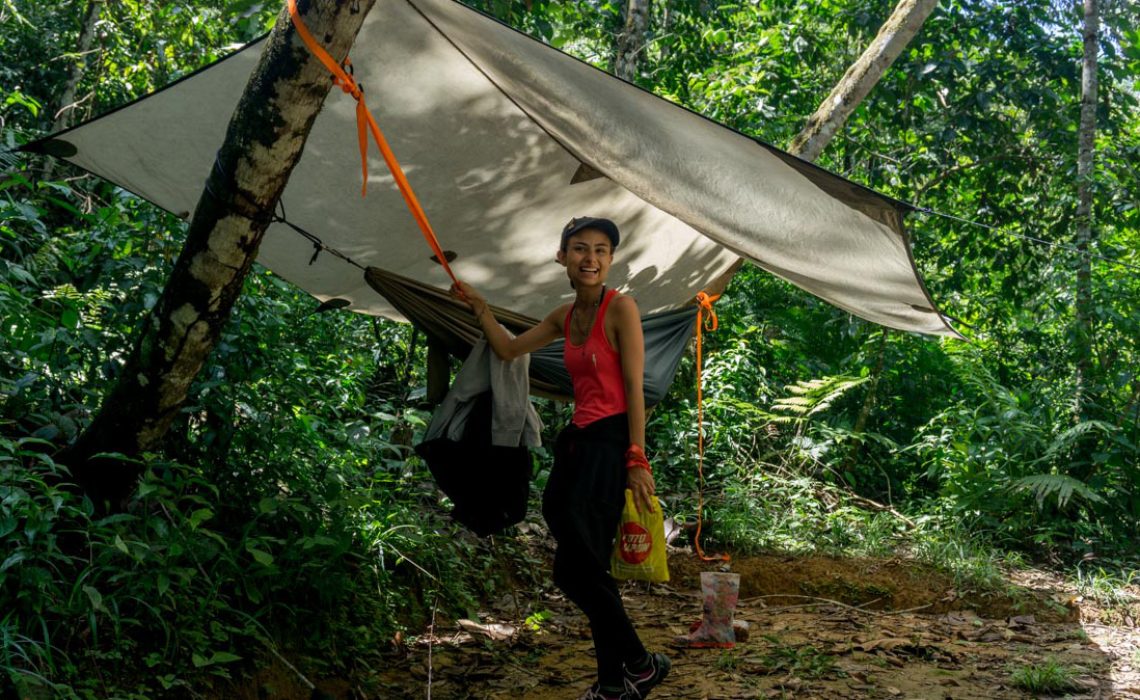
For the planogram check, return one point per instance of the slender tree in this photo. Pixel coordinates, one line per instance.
(898, 31)
(631, 41)
(264, 141)
(860, 78)
(67, 102)
(1085, 165)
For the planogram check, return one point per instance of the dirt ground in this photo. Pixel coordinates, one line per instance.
(818, 628)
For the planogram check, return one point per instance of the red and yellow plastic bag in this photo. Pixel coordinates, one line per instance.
(639, 551)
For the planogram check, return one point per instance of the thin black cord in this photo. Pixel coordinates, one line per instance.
(318, 244)
(1042, 241)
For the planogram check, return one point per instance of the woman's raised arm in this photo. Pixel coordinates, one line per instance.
(505, 347)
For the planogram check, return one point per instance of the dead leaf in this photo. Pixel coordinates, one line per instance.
(885, 644)
(962, 617)
(496, 631)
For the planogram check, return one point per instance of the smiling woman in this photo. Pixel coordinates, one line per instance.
(601, 453)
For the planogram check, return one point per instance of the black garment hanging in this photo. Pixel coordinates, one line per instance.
(488, 485)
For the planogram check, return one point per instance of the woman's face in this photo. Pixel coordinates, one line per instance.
(587, 258)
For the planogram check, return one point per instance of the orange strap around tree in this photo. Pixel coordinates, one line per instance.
(709, 323)
(365, 123)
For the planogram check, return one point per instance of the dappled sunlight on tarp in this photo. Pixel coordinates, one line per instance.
(491, 127)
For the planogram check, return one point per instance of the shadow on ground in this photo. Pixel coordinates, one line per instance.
(819, 628)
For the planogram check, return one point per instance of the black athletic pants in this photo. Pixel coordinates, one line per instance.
(582, 505)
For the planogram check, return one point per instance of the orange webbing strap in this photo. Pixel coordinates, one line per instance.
(365, 123)
(709, 323)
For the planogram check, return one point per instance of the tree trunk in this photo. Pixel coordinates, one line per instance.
(863, 75)
(898, 31)
(67, 101)
(78, 68)
(1086, 139)
(631, 41)
(264, 141)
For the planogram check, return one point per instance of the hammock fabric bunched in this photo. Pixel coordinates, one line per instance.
(450, 322)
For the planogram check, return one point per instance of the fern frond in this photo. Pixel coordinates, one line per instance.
(793, 401)
(1062, 486)
(1069, 437)
(742, 407)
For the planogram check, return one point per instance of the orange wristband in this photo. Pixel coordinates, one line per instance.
(635, 459)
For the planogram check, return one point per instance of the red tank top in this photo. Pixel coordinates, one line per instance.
(595, 370)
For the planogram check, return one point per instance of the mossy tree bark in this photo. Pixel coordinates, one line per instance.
(631, 42)
(264, 141)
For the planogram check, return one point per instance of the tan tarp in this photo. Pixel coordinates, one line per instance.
(491, 127)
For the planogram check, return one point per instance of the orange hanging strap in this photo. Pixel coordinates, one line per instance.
(704, 323)
(365, 122)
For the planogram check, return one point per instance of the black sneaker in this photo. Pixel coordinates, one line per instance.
(594, 692)
(639, 684)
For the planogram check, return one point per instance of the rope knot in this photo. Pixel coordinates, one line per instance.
(709, 323)
(349, 86)
(705, 304)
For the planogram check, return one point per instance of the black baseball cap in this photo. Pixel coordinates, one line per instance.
(583, 222)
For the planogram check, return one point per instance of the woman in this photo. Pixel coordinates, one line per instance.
(600, 454)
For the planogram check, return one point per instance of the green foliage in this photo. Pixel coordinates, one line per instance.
(802, 661)
(1060, 486)
(997, 445)
(190, 580)
(1046, 678)
(286, 507)
(757, 512)
(970, 558)
(1109, 585)
(808, 398)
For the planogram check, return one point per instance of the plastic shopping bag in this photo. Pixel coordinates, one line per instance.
(639, 552)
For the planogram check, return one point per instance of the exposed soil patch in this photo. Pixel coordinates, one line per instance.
(893, 629)
(875, 584)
